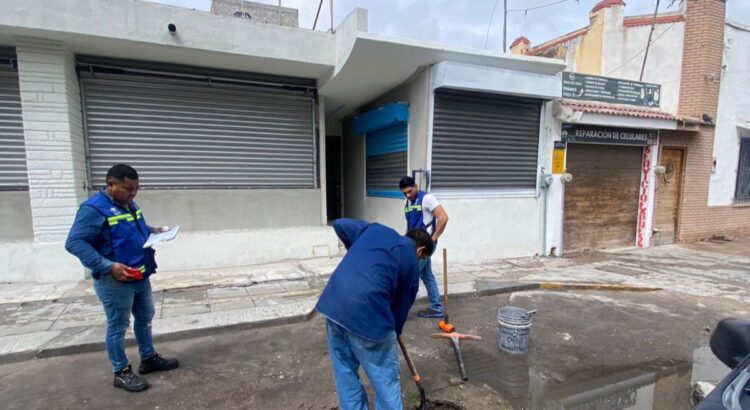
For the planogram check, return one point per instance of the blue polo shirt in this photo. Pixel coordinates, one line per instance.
(372, 289)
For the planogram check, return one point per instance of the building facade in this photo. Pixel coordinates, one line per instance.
(690, 181)
(250, 146)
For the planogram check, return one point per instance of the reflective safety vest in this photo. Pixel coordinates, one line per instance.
(128, 232)
(414, 216)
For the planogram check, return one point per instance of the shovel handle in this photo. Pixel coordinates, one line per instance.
(445, 283)
(409, 362)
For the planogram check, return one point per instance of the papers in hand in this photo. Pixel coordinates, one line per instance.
(157, 238)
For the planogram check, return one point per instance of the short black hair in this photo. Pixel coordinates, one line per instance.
(406, 182)
(422, 238)
(120, 172)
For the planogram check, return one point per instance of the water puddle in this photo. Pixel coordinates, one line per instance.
(645, 386)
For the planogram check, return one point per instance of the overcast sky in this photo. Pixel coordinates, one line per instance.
(465, 22)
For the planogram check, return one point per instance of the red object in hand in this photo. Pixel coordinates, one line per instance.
(135, 273)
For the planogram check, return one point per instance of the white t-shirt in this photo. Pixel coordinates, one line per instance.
(429, 203)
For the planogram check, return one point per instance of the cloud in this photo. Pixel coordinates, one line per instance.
(465, 22)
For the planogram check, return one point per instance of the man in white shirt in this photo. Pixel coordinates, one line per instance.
(423, 211)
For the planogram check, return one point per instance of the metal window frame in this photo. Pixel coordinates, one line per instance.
(444, 193)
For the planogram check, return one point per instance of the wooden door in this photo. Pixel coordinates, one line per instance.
(668, 194)
(601, 203)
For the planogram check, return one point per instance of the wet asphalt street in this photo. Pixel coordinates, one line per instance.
(589, 349)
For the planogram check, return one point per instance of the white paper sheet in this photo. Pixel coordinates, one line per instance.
(157, 238)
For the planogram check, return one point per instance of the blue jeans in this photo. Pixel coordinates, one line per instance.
(119, 299)
(379, 360)
(428, 278)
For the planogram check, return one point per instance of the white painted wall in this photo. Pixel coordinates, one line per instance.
(622, 54)
(733, 120)
(491, 228)
(495, 224)
(664, 65)
(210, 249)
(556, 192)
(137, 29)
(388, 211)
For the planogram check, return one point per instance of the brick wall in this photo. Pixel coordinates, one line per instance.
(53, 135)
(699, 94)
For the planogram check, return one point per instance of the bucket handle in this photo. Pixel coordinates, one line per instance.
(529, 314)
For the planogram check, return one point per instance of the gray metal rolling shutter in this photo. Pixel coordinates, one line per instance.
(484, 141)
(12, 149)
(183, 133)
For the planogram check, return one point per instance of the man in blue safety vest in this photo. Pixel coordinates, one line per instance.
(423, 211)
(366, 302)
(107, 236)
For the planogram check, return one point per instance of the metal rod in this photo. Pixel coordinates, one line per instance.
(648, 45)
(315, 23)
(279, 12)
(445, 283)
(505, 24)
(331, 2)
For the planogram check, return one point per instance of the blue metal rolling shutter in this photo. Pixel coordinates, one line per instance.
(386, 147)
(386, 160)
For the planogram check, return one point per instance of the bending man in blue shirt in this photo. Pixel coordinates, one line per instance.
(108, 236)
(366, 303)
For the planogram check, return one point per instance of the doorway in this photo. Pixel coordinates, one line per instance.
(668, 195)
(334, 181)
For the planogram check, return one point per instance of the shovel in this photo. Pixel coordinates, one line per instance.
(414, 374)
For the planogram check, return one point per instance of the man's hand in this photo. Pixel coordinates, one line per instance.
(120, 273)
(159, 229)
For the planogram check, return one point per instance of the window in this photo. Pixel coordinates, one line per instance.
(386, 161)
(742, 193)
(243, 15)
(484, 141)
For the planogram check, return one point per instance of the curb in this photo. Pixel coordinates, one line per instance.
(43, 353)
(596, 286)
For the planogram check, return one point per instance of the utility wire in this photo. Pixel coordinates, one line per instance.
(641, 52)
(539, 7)
(648, 42)
(487, 36)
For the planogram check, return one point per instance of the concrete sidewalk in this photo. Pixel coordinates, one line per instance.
(38, 320)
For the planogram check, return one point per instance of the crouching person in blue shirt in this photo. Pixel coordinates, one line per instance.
(366, 303)
(108, 236)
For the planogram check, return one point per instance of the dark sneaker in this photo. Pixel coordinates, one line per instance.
(127, 380)
(429, 313)
(157, 363)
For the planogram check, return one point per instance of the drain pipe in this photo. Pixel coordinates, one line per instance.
(546, 182)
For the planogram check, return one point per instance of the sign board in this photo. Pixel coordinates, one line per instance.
(607, 135)
(610, 90)
(558, 158)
